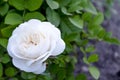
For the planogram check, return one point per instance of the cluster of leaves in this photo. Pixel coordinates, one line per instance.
(79, 22)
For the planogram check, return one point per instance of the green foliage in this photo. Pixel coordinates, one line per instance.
(13, 19)
(10, 72)
(79, 22)
(26, 4)
(1, 70)
(52, 4)
(4, 9)
(94, 72)
(34, 15)
(53, 17)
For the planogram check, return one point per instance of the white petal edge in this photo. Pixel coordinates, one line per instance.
(60, 46)
(36, 67)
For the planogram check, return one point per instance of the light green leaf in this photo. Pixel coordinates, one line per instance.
(93, 58)
(94, 72)
(1, 70)
(90, 49)
(13, 19)
(98, 19)
(3, 42)
(64, 10)
(7, 31)
(53, 17)
(52, 4)
(34, 15)
(89, 7)
(77, 21)
(85, 60)
(4, 9)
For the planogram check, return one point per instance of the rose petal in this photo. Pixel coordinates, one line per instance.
(60, 46)
(29, 66)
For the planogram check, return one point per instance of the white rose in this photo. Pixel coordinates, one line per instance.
(32, 43)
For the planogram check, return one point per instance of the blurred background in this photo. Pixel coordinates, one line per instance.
(109, 54)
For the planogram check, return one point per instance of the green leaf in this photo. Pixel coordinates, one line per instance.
(34, 15)
(93, 58)
(4, 9)
(81, 77)
(90, 49)
(61, 74)
(87, 16)
(7, 31)
(85, 60)
(94, 72)
(10, 72)
(33, 5)
(18, 4)
(25, 75)
(5, 59)
(112, 40)
(64, 10)
(98, 19)
(1, 70)
(64, 2)
(53, 17)
(77, 21)
(72, 37)
(3, 42)
(89, 7)
(101, 34)
(52, 4)
(13, 19)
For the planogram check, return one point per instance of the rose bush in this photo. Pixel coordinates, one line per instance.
(32, 43)
(35, 39)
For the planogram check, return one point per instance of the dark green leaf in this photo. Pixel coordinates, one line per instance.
(25, 75)
(18, 4)
(13, 19)
(34, 15)
(81, 77)
(3, 42)
(53, 17)
(5, 59)
(26, 4)
(33, 5)
(7, 31)
(1, 70)
(10, 72)
(61, 74)
(4, 9)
